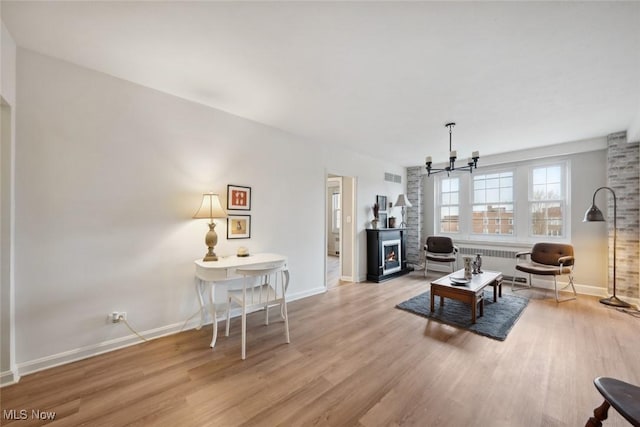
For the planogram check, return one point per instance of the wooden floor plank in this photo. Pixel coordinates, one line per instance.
(354, 359)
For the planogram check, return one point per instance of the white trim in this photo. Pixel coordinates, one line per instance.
(8, 378)
(51, 361)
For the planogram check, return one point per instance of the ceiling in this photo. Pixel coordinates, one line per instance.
(381, 78)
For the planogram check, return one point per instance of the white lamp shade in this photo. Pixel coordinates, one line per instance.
(403, 201)
(210, 207)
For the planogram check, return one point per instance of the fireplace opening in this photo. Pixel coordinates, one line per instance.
(391, 256)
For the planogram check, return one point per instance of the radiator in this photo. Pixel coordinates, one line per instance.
(503, 260)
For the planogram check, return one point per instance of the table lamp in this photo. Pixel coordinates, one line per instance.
(403, 202)
(210, 209)
(593, 214)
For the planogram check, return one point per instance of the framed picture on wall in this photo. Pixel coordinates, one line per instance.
(238, 198)
(238, 226)
(382, 203)
(382, 217)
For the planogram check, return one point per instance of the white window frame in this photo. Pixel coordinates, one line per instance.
(521, 221)
(336, 212)
(485, 221)
(563, 200)
(439, 206)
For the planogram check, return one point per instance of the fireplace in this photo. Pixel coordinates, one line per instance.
(391, 256)
(386, 249)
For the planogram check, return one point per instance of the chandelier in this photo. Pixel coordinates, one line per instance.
(472, 162)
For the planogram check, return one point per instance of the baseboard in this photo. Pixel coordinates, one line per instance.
(581, 289)
(306, 294)
(74, 355)
(80, 353)
(8, 378)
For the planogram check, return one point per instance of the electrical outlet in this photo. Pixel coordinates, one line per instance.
(117, 316)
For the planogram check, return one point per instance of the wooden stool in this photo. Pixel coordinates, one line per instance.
(624, 397)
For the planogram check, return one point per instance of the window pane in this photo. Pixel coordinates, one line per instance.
(335, 218)
(493, 195)
(539, 176)
(506, 181)
(493, 204)
(446, 198)
(493, 183)
(553, 191)
(493, 219)
(538, 191)
(554, 174)
(506, 195)
(449, 219)
(547, 219)
(546, 209)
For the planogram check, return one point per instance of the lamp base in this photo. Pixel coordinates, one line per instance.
(615, 302)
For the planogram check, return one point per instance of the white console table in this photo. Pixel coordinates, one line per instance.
(210, 273)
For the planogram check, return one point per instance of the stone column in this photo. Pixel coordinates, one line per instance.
(623, 176)
(414, 214)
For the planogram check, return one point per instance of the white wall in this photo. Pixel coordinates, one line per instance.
(588, 172)
(8, 372)
(108, 176)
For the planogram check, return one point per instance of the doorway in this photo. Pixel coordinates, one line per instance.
(339, 230)
(8, 372)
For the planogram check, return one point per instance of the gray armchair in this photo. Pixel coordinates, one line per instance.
(547, 259)
(440, 249)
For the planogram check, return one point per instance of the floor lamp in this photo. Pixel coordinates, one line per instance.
(594, 214)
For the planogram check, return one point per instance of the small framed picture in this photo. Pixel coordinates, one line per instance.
(382, 202)
(238, 198)
(238, 226)
(382, 217)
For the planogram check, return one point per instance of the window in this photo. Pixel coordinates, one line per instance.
(547, 201)
(492, 203)
(335, 208)
(521, 202)
(449, 201)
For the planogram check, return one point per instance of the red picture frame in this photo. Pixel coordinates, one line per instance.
(238, 198)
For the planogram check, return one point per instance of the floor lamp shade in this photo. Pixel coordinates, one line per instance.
(594, 214)
(210, 208)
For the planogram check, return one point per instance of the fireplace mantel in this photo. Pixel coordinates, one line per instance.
(386, 253)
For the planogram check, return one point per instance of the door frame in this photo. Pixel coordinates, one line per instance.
(348, 269)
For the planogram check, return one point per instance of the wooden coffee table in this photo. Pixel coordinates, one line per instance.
(470, 293)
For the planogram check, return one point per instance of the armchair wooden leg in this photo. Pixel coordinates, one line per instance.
(599, 414)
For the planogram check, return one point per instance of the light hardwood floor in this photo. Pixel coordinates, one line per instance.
(333, 271)
(354, 359)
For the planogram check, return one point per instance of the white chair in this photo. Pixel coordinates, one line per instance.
(261, 288)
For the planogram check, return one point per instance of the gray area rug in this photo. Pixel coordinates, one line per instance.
(498, 319)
